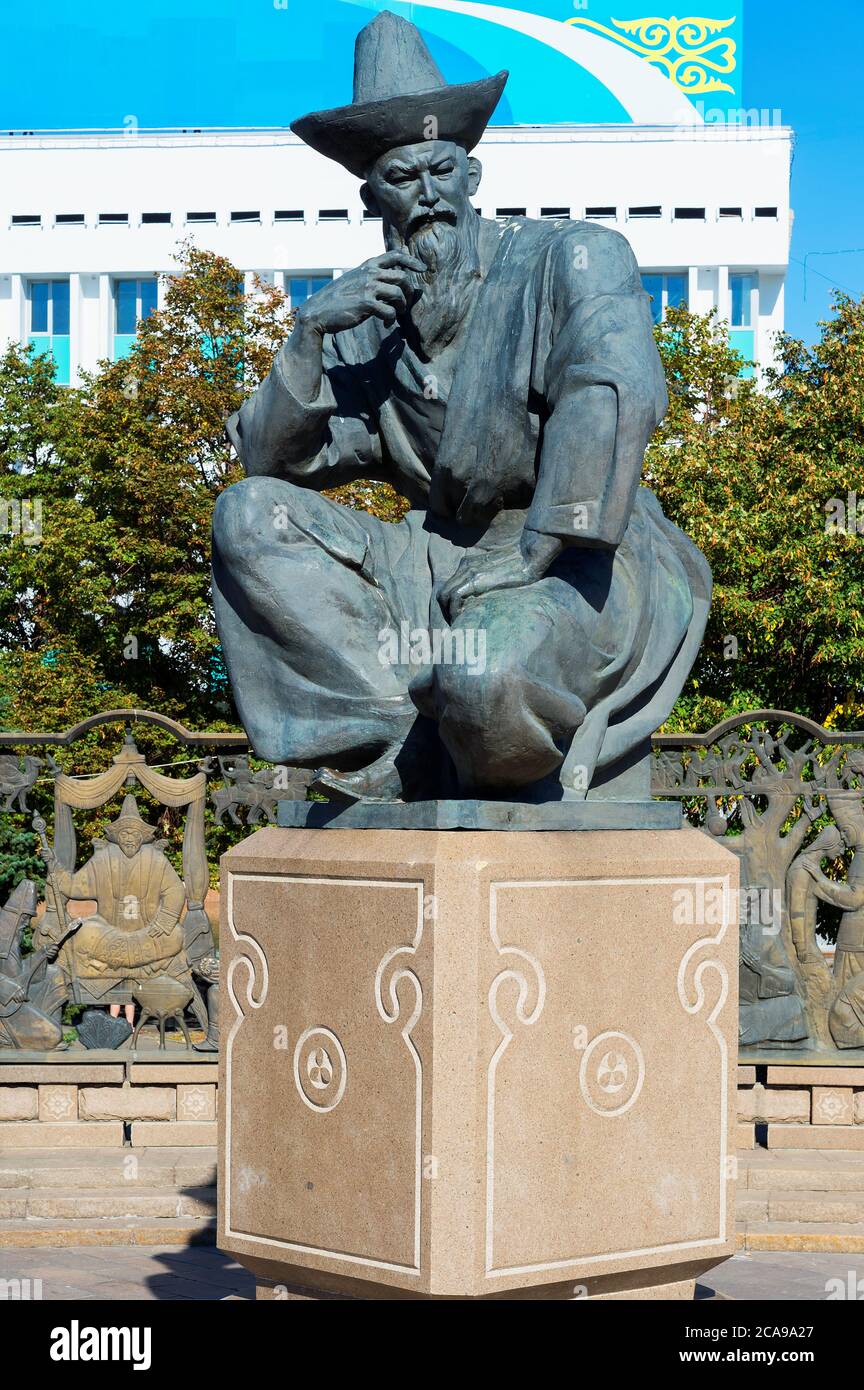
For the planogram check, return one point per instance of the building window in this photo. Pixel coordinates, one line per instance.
(300, 288)
(333, 215)
(133, 301)
(741, 294)
(150, 219)
(646, 210)
(113, 219)
(26, 219)
(200, 217)
(689, 214)
(602, 211)
(504, 213)
(289, 215)
(667, 291)
(246, 216)
(49, 323)
(69, 219)
(555, 213)
(730, 212)
(742, 335)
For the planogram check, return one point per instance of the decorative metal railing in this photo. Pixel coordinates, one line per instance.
(783, 793)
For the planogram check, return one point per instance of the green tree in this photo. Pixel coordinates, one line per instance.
(750, 474)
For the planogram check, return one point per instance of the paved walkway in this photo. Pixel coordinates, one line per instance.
(128, 1272)
(202, 1273)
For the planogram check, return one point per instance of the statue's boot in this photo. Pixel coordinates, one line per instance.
(408, 770)
(378, 782)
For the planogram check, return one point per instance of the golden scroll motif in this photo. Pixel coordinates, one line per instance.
(688, 50)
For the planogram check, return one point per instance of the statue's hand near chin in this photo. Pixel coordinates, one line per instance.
(505, 567)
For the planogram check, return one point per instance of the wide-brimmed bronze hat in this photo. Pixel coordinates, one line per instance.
(400, 98)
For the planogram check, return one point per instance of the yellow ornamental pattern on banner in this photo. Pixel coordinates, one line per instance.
(687, 50)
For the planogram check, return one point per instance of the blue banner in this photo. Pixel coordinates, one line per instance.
(263, 62)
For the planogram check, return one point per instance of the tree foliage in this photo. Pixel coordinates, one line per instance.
(755, 476)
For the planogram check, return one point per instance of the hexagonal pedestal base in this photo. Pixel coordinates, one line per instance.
(478, 1064)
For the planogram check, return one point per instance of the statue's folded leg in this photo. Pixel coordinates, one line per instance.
(303, 589)
(507, 715)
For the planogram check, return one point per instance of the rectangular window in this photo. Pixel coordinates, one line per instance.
(765, 212)
(40, 306)
(729, 212)
(133, 301)
(689, 214)
(555, 212)
(49, 323)
(113, 219)
(741, 294)
(676, 291)
(333, 215)
(26, 219)
(371, 216)
(601, 212)
(647, 210)
(246, 217)
(509, 212)
(200, 217)
(668, 290)
(59, 307)
(301, 287)
(69, 219)
(289, 215)
(149, 219)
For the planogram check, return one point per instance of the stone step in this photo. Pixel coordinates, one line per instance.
(802, 1236)
(106, 1203)
(830, 1208)
(809, 1180)
(103, 1168)
(789, 1170)
(33, 1233)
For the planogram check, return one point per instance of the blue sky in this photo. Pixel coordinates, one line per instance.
(806, 60)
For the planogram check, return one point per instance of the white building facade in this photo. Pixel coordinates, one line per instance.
(90, 221)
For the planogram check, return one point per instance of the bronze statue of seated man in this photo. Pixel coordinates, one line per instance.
(531, 621)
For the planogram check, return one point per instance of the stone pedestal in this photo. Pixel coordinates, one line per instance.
(478, 1064)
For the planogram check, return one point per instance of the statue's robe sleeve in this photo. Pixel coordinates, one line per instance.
(172, 895)
(597, 370)
(321, 443)
(77, 885)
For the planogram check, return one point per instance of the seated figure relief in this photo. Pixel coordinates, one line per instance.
(135, 932)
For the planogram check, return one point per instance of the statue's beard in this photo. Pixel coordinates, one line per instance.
(440, 296)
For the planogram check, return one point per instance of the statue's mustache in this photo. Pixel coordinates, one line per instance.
(422, 220)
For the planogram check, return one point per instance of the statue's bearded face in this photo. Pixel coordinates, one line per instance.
(419, 188)
(422, 193)
(130, 840)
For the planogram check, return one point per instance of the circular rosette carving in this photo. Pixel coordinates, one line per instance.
(320, 1069)
(611, 1073)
